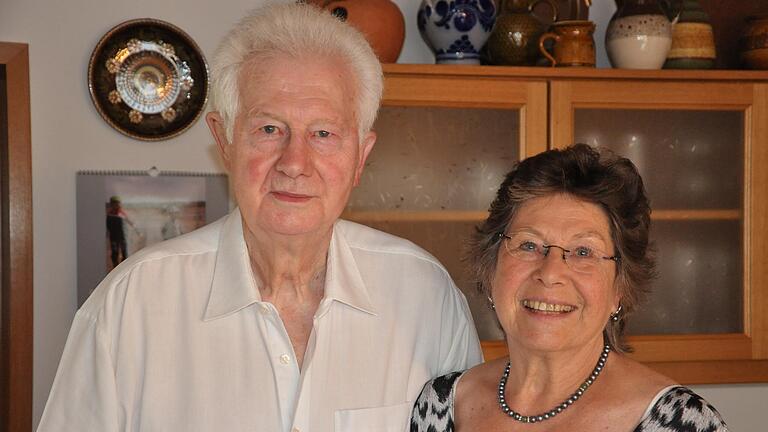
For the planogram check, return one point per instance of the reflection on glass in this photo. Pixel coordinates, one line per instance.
(431, 177)
(688, 159)
(691, 161)
(699, 288)
(437, 159)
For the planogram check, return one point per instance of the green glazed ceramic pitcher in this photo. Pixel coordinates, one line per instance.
(515, 38)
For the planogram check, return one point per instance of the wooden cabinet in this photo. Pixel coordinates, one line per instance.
(448, 134)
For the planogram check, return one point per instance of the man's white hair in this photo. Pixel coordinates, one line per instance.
(294, 30)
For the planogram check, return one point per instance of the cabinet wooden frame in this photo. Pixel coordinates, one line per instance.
(16, 226)
(547, 99)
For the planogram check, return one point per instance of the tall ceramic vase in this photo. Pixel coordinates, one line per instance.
(456, 30)
(639, 35)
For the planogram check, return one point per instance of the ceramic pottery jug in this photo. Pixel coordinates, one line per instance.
(515, 37)
(574, 45)
(380, 21)
(639, 35)
(456, 30)
(693, 41)
(754, 42)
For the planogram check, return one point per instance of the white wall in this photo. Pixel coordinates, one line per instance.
(68, 135)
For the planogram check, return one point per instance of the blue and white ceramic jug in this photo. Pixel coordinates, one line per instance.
(456, 30)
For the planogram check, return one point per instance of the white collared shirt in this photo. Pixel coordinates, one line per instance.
(178, 339)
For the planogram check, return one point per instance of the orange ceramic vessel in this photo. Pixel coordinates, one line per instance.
(380, 21)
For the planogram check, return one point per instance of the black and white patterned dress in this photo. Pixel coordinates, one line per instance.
(674, 409)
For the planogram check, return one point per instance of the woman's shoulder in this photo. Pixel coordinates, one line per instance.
(678, 408)
(433, 409)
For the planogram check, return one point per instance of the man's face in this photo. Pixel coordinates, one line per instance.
(295, 153)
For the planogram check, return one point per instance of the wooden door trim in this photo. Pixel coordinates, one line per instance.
(16, 194)
(756, 180)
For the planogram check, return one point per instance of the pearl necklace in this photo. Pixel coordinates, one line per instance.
(560, 408)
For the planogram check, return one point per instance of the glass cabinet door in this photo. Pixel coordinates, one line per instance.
(692, 168)
(695, 145)
(443, 148)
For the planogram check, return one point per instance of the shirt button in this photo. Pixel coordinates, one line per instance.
(264, 309)
(285, 359)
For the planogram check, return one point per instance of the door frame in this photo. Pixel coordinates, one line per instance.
(16, 252)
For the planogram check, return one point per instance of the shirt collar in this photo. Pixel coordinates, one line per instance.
(343, 281)
(234, 288)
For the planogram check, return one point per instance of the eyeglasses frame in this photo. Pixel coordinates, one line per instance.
(614, 258)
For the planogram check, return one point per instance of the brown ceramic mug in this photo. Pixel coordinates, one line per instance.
(574, 44)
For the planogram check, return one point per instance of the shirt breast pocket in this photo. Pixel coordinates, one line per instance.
(393, 418)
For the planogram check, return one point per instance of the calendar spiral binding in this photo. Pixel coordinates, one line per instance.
(149, 173)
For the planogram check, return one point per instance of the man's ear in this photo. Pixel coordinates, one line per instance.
(365, 149)
(219, 132)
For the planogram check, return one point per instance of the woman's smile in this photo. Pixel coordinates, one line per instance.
(548, 308)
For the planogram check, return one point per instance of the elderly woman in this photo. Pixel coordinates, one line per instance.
(563, 258)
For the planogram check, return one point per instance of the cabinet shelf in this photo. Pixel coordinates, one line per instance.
(479, 216)
(703, 214)
(724, 357)
(548, 73)
(415, 216)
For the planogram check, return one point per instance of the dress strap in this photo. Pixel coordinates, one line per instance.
(656, 398)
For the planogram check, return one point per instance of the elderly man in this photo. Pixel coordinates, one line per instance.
(279, 317)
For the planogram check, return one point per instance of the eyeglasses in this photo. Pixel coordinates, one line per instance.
(579, 258)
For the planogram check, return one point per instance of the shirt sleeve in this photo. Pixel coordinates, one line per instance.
(83, 397)
(458, 334)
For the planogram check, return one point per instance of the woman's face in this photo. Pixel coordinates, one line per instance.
(545, 304)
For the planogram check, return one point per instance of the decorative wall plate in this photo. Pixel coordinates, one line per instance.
(148, 79)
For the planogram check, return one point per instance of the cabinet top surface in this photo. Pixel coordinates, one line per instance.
(548, 73)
